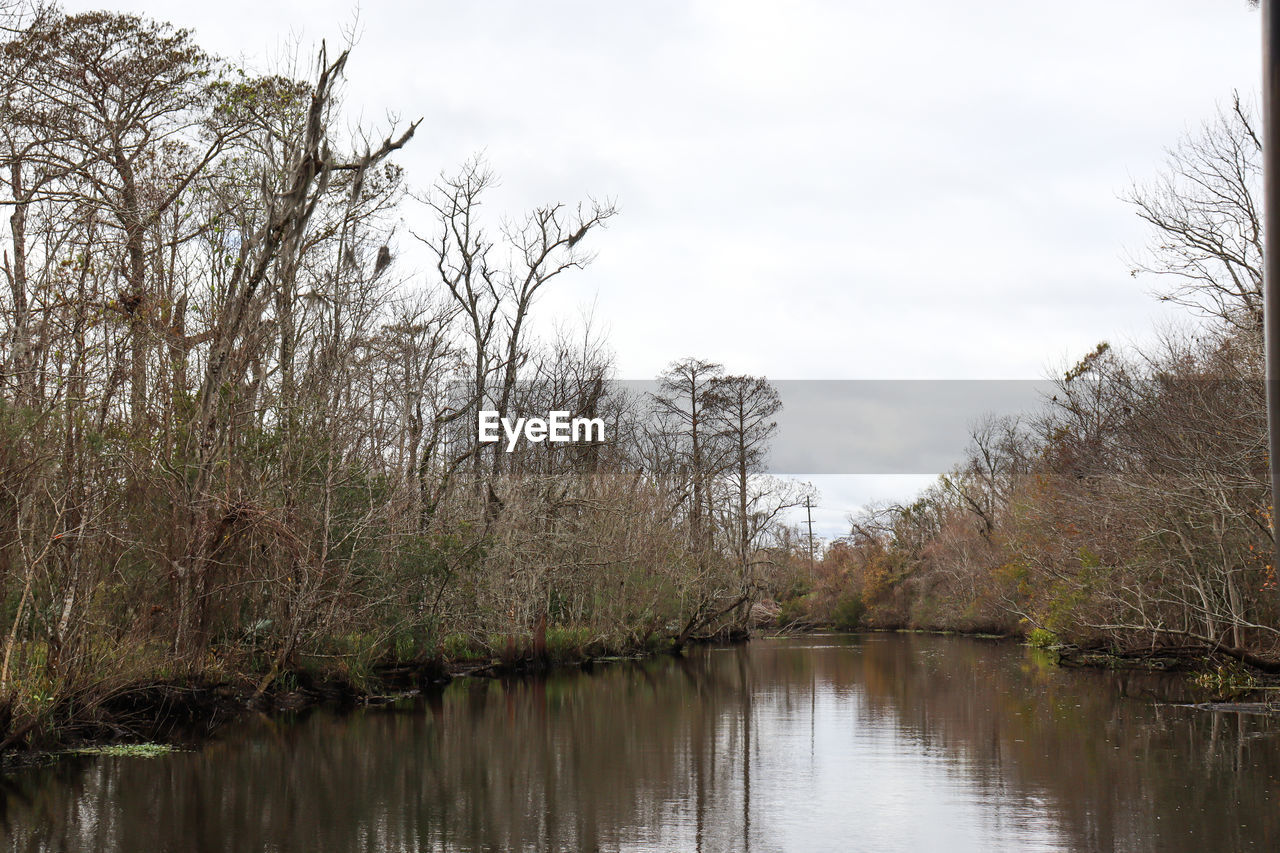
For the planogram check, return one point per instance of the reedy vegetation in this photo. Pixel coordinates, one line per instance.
(236, 441)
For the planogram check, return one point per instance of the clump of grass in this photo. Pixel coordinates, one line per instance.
(567, 644)
(458, 647)
(125, 750)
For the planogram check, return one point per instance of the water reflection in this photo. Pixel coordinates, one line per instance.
(827, 743)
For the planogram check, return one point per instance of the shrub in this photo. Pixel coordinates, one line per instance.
(1040, 638)
(793, 610)
(848, 613)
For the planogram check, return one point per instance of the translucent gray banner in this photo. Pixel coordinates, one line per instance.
(889, 426)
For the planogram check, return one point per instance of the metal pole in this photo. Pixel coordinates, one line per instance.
(808, 511)
(1271, 255)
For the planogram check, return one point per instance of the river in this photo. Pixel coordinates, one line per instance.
(821, 743)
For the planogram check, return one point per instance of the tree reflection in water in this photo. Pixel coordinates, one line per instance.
(821, 743)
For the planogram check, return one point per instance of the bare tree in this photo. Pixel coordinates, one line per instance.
(742, 411)
(232, 425)
(686, 401)
(495, 297)
(1206, 213)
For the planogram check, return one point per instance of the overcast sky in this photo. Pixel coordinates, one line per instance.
(808, 190)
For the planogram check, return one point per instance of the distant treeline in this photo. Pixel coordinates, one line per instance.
(238, 439)
(1134, 512)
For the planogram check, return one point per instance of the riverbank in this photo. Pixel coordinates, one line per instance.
(184, 713)
(1226, 678)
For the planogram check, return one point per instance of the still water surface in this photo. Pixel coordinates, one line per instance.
(876, 743)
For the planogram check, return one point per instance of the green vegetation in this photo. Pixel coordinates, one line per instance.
(848, 612)
(1039, 638)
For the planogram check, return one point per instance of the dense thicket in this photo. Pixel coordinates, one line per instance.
(1133, 512)
(236, 438)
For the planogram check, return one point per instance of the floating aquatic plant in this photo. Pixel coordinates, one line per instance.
(125, 750)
